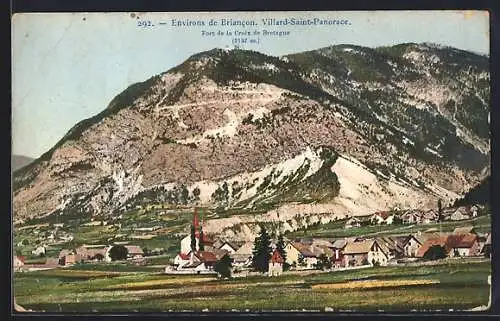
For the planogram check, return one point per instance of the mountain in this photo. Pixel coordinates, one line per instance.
(19, 161)
(479, 194)
(345, 128)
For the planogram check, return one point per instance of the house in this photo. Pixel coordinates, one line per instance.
(438, 240)
(392, 246)
(92, 252)
(71, 259)
(275, 264)
(411, 245)
(474, 211)
(230, 247)
(134, 251)
(381, 218)
(338, 253)
(18, 262)
(412, 217)
(352, 222)
(181, 259)
(448, 212)
(461, 213)
(40, 250)
(243, 256)
(486, 250)
(219, 253)
(460, 245)
(301, 255)
(207, 258)
(429, 216)
(367, 252)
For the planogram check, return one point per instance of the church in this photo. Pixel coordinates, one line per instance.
(198, 234)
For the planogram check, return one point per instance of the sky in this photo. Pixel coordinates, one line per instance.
(68, 66)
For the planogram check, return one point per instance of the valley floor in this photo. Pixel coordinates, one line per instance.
(450, 284)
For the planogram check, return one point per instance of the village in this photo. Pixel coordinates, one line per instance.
(200, 253)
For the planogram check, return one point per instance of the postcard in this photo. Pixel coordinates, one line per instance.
(251, 162)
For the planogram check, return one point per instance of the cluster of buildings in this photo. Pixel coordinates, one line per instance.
(307, 254)
(81, 254)
(97, 253)
(415, 216)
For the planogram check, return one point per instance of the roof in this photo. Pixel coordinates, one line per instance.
(276, 257)
(184, 256)
(134, 249)
(488, 239)
(322, 242)
(219, 253)
(463, 230)
(431, 242)
(205, 256)
(207, 240)
(245, 249)
(405, 240)
(233, 245)
(191, 265)
(383, 215)
(461, 240)
(63, 253)
(339, 244)
(358, 247)
(304, 249)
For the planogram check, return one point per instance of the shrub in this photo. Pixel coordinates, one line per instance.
(118, 252)
(435, 252)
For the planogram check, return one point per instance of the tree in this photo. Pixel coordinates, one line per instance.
(99, 257)
(280, 247)
(435, 252)
(223, 266)
(118, 252)
(193, 238)
(440, 210)
(397, 220)
(201, 246)
(323, 262)
(196, 193)
(262, 251)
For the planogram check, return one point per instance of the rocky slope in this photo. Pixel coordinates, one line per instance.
(344, 128)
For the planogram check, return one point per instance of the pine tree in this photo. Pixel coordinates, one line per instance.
(440, 210)
(201, 246)
(280, 247)
(223, 266)
(193, 239)
(262, 251)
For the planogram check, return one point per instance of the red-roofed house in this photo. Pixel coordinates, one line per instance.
(275, 264)
(463, 245)
(381, 218)
(441, 241)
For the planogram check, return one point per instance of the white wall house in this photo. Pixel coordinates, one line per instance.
(411, 246)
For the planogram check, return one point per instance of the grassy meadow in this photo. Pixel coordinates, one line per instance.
(453, 284)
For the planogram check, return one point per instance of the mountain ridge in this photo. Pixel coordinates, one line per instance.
(221, 113)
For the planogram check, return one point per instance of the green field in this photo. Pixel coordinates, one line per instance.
(455, 285)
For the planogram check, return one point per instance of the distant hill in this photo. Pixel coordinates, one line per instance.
(19, 161)
(479, 194)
